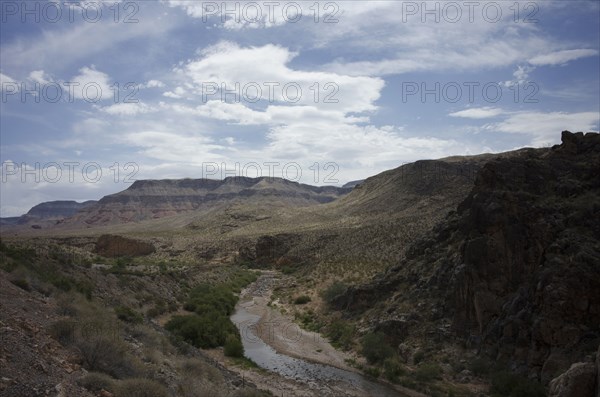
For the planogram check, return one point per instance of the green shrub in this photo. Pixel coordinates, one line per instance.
(128, 315)
(21, 283)
(428, 372)
(302, 300)
(206, 330)
(375, 348)
(140, 388)
(392, 369)
(233, 346)
(507, 384)
(418, 356)
(333, 291)
(96, 381)
(341, 334)
(106, 355)
(372, 371)
(63, 331)
(480, 366)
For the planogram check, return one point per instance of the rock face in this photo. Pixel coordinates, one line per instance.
(598, 371)
(151, 199)
(578, 381)
(515, 271)
(116, 246)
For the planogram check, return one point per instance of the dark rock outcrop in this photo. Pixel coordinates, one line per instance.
(516, 269)
(578, 381)
(116, 246)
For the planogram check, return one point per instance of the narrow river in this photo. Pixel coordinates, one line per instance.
(333, 381)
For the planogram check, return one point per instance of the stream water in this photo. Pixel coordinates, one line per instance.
(313, 374)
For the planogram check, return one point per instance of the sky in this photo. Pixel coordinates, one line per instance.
(98, 94)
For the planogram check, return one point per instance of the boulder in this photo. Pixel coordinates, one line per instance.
(577, 381)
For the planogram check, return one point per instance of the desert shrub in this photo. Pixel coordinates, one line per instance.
(375, 348)
(333, 291)
(207, 297)
(106, 355)
(392, 369)
(480, 366)
(340, 333)
(507, 384)
(206, 330)
(140, 388)
(250, 393)
(197, 369)
(128, 315)
(233, 346)
(372, 371)
(302, 299)
(96, 381)
(428, 372)
(21, 283)
(418, 356)
(63, 331)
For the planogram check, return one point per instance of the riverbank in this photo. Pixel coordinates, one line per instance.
(305, 362)
(283, 334)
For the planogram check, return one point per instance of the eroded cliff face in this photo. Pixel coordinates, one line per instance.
(529, 281)
(514, 271)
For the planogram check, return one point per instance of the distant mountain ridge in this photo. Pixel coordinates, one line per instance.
(152, 199)
(48, 211)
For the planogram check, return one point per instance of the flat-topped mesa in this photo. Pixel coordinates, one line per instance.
(151, 199)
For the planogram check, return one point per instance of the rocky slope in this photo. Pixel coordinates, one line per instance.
(152, 199)
(514, 271)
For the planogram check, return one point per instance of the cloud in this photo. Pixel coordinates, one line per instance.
(262, 73)
(544, 127)
(90, 84)
(478, 113)
(153, 84)
(127, 109)
(39, 76)
(562, 57)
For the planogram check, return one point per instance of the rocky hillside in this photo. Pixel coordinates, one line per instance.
(513, 272)
(152, 199)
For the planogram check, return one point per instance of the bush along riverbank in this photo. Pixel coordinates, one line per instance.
(208, 325)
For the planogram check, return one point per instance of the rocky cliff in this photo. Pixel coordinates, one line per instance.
(514, 271)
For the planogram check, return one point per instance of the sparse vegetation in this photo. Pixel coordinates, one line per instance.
(341, 334)
(375, 347)
(507, 384)
(333, 291)
(96, 381)
(302, 300)
(128, 315)
(140, 388)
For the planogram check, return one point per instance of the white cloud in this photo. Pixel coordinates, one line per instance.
(478, 113)
(153, 84)
(91, 85)
(263, 73)
(39, 76)
(127, 109)
(545, 128)
(562, 57)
